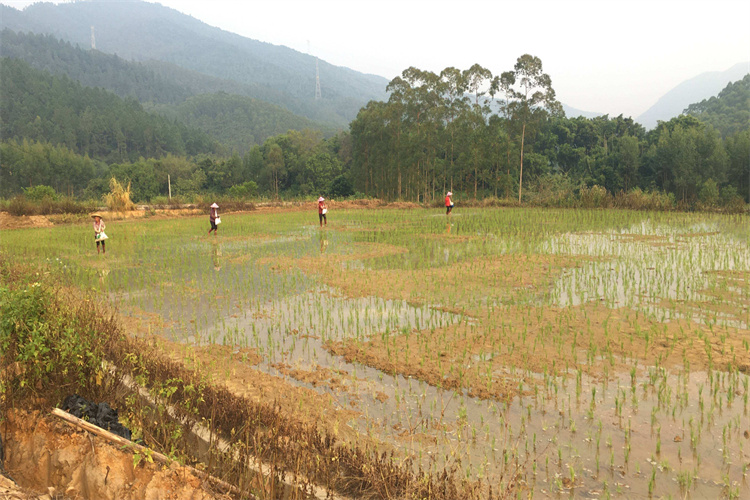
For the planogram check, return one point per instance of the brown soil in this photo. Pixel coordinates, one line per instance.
(234, 370)
(319, 376)
(9, 490)
(42, 452)
(491, 356)
(8, 221)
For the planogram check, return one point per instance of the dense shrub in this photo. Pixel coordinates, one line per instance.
(39, 193)
(709, 193)
(21, 205)
(244, 190)
(59, 347)
(340, 187)
(595, 197)
(731, 201)
(552, 190)
(637, 199)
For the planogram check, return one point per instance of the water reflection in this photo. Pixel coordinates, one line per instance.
(215, 254)
(645, 265)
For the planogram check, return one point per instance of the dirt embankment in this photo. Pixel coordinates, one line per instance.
(59, 461)
(8, 221)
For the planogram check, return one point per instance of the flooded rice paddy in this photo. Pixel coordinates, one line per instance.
(596, 353)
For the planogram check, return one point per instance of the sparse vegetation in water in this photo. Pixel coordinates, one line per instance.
(481, 346)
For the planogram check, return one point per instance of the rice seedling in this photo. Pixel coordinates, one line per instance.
(628, 324)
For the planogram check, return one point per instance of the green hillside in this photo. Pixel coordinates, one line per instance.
(729, 112)
(92, 68)
(239, 121)
(145, 31)
(90, 121)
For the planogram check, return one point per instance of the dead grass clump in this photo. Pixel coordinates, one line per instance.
(118, 199)
(595, 197)
(637, 199)
(21, 205)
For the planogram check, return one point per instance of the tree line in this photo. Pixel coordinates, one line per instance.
(297, 163)
(467, 131)
(479, 134)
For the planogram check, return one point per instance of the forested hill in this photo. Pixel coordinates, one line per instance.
(40, 107)
(729, 112)
(693, 90)
(164, 88)
(144, 31)
(92, 68)
(238, 122)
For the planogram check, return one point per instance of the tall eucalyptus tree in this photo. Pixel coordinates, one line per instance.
(530, 98)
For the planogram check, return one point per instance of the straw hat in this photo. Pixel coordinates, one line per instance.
(321, 199)
(449, 194)
(214, 205)
(96, 214)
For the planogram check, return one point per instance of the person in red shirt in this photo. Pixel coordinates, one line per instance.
(322, 211)
(448, 203)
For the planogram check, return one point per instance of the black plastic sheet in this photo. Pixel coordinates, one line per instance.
(101, 415)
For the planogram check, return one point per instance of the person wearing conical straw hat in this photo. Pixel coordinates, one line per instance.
(213, 217)
(322, 211)
(448, 203)
(99, 235)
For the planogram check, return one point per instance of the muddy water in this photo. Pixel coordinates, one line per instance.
(674, 433)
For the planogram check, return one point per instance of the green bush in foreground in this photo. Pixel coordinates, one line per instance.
(49, 349)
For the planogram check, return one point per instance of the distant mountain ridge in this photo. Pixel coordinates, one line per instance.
(696, 89)
(145, 31)
(571, 112)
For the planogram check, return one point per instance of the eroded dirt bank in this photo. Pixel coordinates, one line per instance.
(42, 452)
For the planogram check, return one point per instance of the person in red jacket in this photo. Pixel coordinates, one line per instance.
(322, 211)
(448, 203)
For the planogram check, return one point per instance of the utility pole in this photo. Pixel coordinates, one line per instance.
(317, 81)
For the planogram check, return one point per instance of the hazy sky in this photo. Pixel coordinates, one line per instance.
(607, 56)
